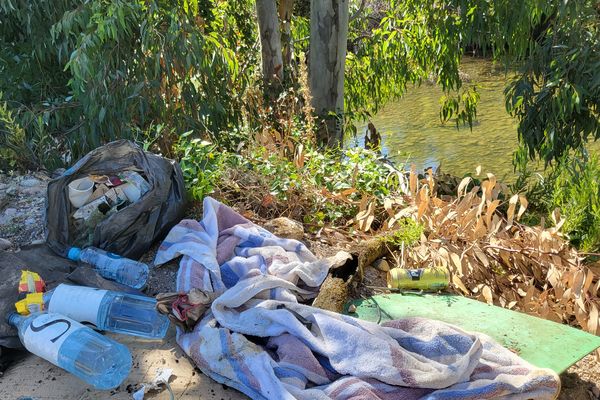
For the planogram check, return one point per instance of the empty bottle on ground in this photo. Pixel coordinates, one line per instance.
(112, 266)
(108, 310)
(98, 360)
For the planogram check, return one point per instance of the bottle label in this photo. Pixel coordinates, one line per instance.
(77, 302)
(46, 333)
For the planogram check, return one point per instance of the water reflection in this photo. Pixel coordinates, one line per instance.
(411, 128)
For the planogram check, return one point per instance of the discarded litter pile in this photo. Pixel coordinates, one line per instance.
(96, 197)
(257, 337)
(50, 325)
(118, 198)
(497, 259)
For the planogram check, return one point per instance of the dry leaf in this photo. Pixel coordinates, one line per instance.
(463, 186)
(593, 321)
(524, 203)
(456, 280)
(487, 294)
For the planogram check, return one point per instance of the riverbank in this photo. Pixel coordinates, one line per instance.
(412, 132)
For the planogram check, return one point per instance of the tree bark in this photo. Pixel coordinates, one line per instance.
(270, 40)
(286, 9)
(327, 59)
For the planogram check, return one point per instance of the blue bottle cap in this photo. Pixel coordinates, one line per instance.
(74, 253)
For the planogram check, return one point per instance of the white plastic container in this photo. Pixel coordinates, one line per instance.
(80, 191)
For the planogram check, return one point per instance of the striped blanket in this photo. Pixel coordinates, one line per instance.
(259, 339)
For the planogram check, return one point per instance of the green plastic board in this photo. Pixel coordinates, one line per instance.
(543, 343)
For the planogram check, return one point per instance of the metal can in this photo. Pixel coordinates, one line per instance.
(419, 279)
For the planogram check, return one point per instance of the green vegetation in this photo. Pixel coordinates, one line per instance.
(85, 73)
(407, 233)
(314, 186)
(576, 192)
(183, 78)
(572, 187)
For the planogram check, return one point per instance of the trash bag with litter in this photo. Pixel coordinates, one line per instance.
(118, 197)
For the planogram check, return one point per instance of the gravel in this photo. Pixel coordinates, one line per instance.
(22, 204)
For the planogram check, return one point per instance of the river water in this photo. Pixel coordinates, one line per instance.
(412, 132)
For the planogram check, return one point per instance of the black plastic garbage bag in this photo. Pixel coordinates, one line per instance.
(132, 230)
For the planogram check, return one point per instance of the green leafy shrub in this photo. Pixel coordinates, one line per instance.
(85, 73)
(573, 186)
(407, 233)
(350, 173)
(18, 149)
(202, 164)
(577, 194)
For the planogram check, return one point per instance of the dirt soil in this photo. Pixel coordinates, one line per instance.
(22, 222)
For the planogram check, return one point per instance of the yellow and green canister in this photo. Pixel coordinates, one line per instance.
(432, 279)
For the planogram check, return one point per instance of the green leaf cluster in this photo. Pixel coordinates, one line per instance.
(576, 192)
(100, 70)
(556, 95)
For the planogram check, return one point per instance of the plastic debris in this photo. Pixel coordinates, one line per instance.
(80, 191)
(96, 359)
(32, 303)
(143, 195)
(86, 211)
(109, 310)
(112, 266)
(31, 282)
(161, 378)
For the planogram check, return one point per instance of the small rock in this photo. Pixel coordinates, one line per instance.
(9, 212)
(11, 190)
(381, 265)
(5, 244)
(285, 228)
(30, 182)
(34, 190)
(352, 308)
(30, 221)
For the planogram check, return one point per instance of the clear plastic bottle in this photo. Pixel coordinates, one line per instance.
(112, 266)
(108, 310)
(96, 359)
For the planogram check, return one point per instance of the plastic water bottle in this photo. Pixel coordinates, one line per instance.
(98, 360)
(112, 266)
(108, 310)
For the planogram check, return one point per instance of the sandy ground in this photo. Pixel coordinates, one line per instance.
(21, 219)
(39, 379)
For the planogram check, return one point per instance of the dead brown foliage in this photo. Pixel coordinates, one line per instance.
(494, 258)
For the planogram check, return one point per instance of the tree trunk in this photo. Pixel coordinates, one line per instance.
(327, 59)
(270, 40)
(286, 9)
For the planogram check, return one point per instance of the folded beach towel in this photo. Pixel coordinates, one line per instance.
(259, 339)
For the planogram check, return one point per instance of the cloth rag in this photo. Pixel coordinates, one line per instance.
(258, 338)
